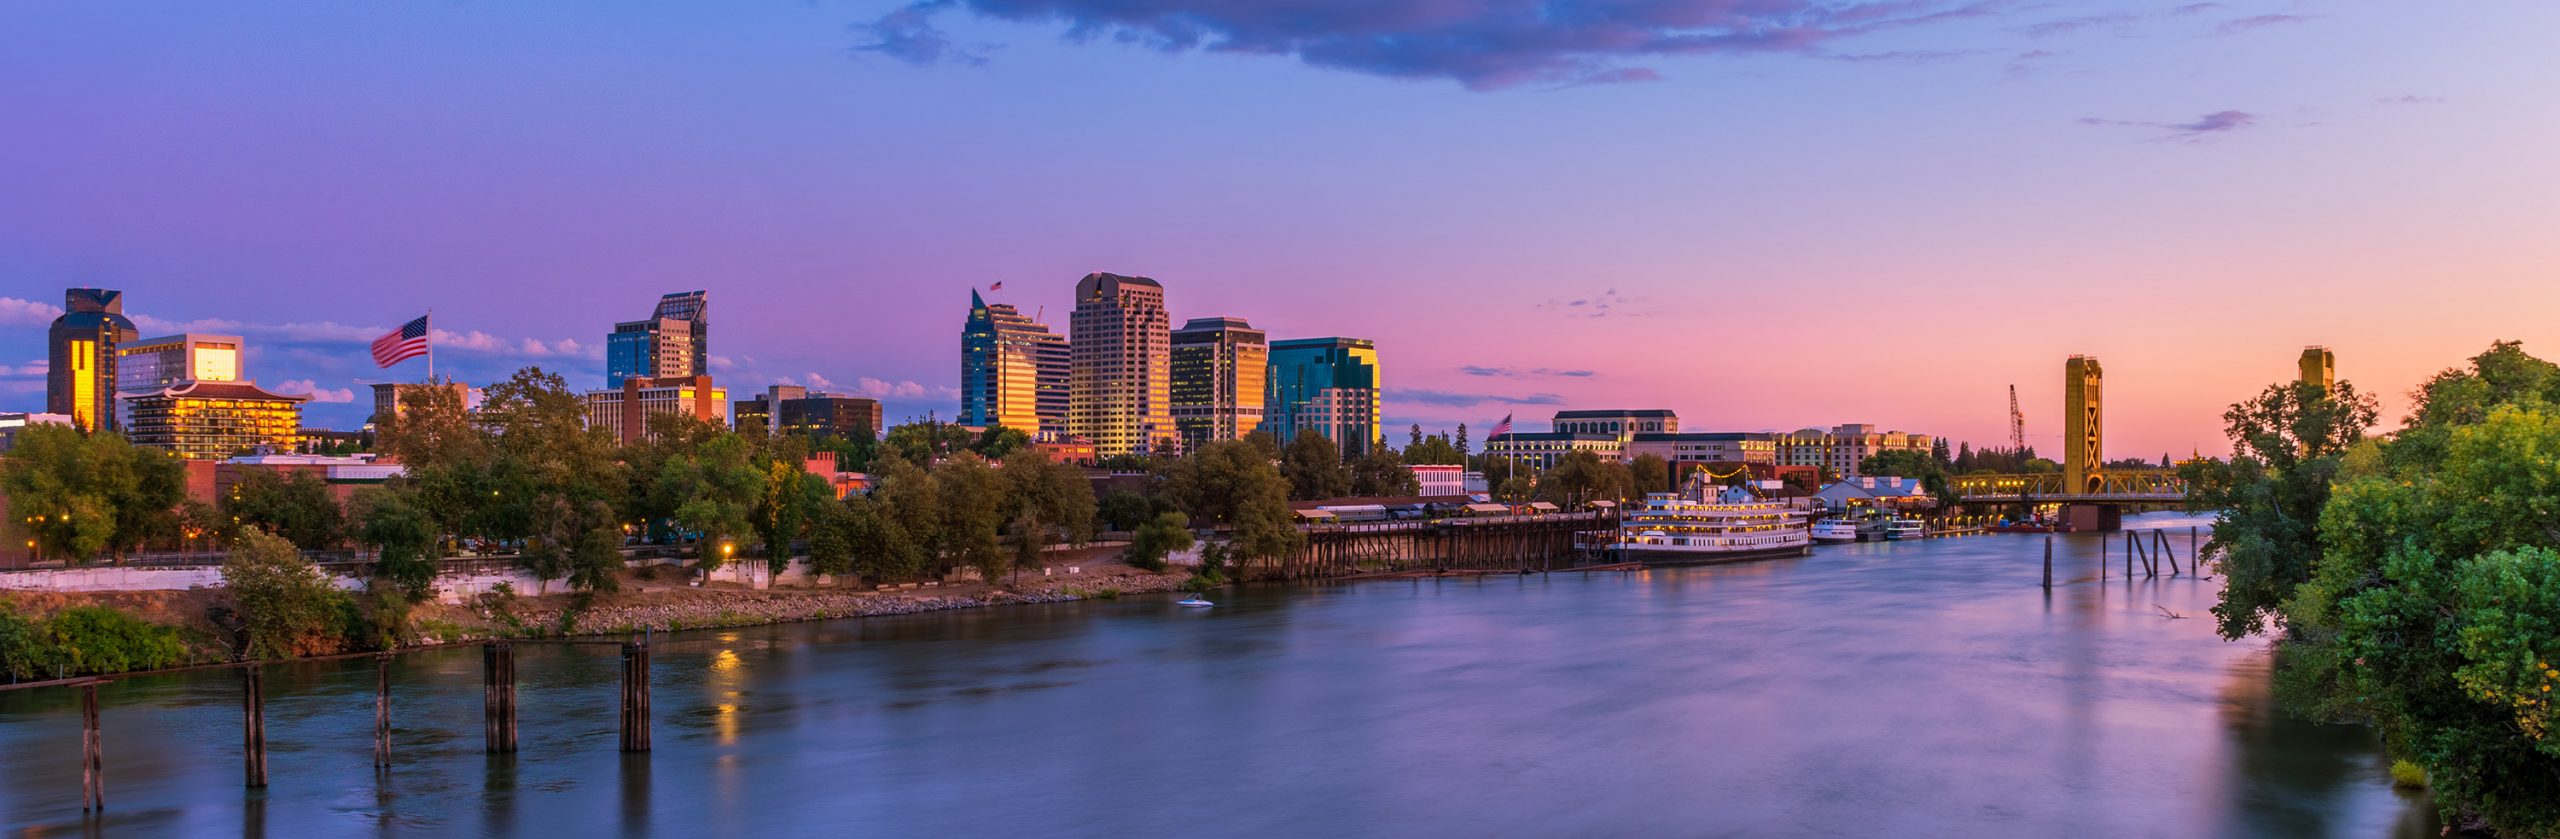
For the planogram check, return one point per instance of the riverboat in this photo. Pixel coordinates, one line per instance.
(1700, 525)
(1905, 527)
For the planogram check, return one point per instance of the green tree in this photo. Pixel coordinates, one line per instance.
(78, 495)
(791, 499)
(999, 442)
(390, 520)
(713, 492)
(295, 505)
(287, 608)
(1167, 534)
(1378, 472)
(1232, 485)
(2286, 445)
(1313, 465)
(1124, 510)
(579, 541)
(1052, 495)
(1581, 477)
(1650, 473)
(972, 506)
(926, 442)
(883, 546)
(1434, 450)
(831, 540)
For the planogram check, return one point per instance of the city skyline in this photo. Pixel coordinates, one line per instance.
(1958, 213)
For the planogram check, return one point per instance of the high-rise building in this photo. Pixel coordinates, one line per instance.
(627, 412)
(1013, 371)
(792, 410)
(1119, 357)
(674, 342)
(1325, 385)
(200, 420)
(80, 354)
(1218, 366)
(2320, 369)
(156, 363)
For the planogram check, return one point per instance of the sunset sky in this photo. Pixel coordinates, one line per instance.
(1765, 214)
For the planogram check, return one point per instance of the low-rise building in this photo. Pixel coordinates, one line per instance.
(1712, 447)
(11, 425)
(791, 410)
(213, 420)
(1622, 424)
(1529, 452)
(1446, 479)
(1842, 448)
(626, 412)
(1870, 491)
(1066, 448)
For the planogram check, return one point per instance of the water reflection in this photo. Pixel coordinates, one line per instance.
(1929, 689)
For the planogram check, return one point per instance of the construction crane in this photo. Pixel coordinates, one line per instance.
(2017, 423)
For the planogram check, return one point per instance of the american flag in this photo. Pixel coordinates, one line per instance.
(407, 342)
(1500, 428)
(996, 287)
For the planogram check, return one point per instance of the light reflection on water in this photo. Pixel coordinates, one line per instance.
(1904, 689)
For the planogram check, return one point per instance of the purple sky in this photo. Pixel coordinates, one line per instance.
(1765, 214)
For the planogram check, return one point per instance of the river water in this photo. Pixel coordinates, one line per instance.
(1895, 689)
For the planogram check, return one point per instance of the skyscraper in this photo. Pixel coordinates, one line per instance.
(1013, 370)
(674, 342)
(80, 354)
(1218, 368)
(1325, 385)
(1118, 383)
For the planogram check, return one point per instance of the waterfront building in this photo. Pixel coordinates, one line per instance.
(1439, 479)
(1326, 385)
(213, 420)
(387, 396)
(1889, 491)
(155, 363)
(1624, 424)
(80, 357)
(1013, 370)
(793, 410)
(1119, 365)
(1218, 369)
(1531, 452)
(1715, 449)
(13, 424)
(627, 412)
(673, 343)
(1843, 447)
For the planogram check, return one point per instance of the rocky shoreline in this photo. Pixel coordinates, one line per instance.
(710, 608)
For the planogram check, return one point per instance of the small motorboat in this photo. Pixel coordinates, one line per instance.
(1194, 601)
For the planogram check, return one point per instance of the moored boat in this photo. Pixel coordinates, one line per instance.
(1905, 527)
(1700, 525)
(1835, 529)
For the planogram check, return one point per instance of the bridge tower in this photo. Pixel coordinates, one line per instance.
(2320, 367)
(2083, 426)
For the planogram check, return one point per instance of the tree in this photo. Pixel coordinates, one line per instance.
(999, 442)
(1314, 468)
(791, 499)
(1651, 474)
(1232, 485)
(1124, 510)
(1938, 452)
(1930, 471)
(2286, 445)
(1581, 477)
(926, 442)
(1462, 439)
(1434, 450)
(713, 491)
(1168, 534)
(295, 505)
(287, 608)
(1416, 442)
(389, 520)
(578, 541)
(1054, 496)
(972, 507)
(1378, 472)
(78, 494)
(831, 541)
(881, 544)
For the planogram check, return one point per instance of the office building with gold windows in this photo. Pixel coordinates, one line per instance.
(1119, 355)
(213, 420)
(1013, 371)
(80, 357)
(628, 411)
(157, 363)
(1218, 369)
(1325, 385)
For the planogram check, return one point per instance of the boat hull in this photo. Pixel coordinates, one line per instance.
(1663, 557)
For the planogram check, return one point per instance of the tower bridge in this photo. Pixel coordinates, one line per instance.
(2093, 496)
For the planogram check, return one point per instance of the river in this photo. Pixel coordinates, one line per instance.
(1895, 689)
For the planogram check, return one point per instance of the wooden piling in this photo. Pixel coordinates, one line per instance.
(93, 766)
(382, 711)
(635, 697)
(2168, 553)
(498, 696)
(2048, 562)
(253, 724)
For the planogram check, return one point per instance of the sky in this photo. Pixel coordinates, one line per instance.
(1763, 214)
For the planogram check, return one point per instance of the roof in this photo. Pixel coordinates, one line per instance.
(1703, 436)
(1647, 412)
(1379, 500)
(1488, 508)
(1551, 436)
(192, 389)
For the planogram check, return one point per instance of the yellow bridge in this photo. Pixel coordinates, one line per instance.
(2100, 487)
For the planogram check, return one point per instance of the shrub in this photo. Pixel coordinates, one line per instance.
(1156, 539)
(84, 640)
(287, 607)
(2406, 775)
(26, 647)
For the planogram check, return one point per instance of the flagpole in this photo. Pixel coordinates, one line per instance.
(431, 346)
